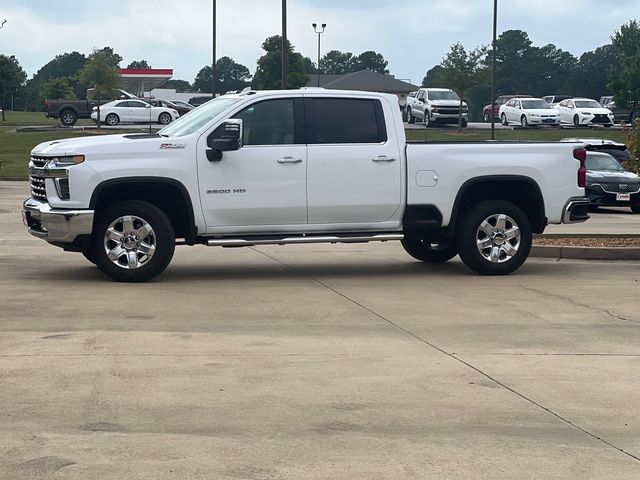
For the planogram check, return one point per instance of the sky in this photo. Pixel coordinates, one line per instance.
(413, 35)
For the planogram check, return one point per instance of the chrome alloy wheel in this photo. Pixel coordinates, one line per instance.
(130, 242)
(498, 238)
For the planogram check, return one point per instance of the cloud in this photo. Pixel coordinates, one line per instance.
(413, 35)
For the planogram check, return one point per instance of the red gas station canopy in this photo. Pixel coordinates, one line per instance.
(140, 80)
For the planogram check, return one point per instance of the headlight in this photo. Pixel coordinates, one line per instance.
(66, 161)
(535, 115)
(586, 113)
(435, 110)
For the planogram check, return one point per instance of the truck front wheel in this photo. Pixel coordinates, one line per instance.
(428, 252)
(132, 241)
(494, 238)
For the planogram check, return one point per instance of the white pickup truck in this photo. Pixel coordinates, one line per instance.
(436, 105)
(298, 166)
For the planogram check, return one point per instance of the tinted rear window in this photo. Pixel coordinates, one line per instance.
(345, 120)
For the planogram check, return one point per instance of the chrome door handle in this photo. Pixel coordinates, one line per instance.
(383, 158)
(289, 160)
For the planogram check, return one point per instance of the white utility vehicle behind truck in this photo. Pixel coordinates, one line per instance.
(298, 166)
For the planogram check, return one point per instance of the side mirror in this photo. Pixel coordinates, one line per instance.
(421, 100)
(226, 138)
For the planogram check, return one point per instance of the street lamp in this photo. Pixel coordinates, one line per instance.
(319, 31)
(2, 24)
(493, 69)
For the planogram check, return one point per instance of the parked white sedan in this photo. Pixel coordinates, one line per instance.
(528, 111)
(584, 112)
(133, 111)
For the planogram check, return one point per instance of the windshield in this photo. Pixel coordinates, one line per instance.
(443, 96)
(587, 104)
(603, 163)
(535, 104)
(199, 117)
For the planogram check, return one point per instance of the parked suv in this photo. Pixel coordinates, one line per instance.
(436, 105)
(620, 114)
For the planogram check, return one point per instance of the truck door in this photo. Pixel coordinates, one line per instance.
(355, 166)
(263, 184)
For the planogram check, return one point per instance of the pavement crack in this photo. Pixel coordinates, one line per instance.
(580, 304)
(458, 359)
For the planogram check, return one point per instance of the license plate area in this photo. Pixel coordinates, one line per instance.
(623, 197)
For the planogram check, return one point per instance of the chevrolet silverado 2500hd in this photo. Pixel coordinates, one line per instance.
(298, 166)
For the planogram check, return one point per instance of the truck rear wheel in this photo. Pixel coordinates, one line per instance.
(410, 118)
(428, 252)
(132, 241)
(68, 118)
(494, 238)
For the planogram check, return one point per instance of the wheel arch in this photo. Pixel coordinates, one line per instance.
(520, 190)
(168, 194)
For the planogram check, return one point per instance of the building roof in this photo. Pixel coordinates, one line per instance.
(139, 80)
(365, 80)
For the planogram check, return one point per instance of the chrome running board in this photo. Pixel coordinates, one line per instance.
(248, 241)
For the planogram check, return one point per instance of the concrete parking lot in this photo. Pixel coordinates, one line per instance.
(314, 362)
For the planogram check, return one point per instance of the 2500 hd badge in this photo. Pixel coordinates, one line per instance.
(227, 190)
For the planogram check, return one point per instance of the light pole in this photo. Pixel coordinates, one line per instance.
(285, 46)
(2, 24)
(213, 54)
(319, 31)
(493, 69)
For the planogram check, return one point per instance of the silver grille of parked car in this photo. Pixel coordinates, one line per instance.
(621, 187)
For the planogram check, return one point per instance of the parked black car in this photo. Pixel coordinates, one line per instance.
(620, 114)
(609, 184)
(617, 150)
(182, 110)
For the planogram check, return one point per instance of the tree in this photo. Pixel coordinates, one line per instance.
(336, 62)
(370, 60)
(139, 64)
(462, 70)
(12, 78)
(591, 77)
(57, 89)
(269, 71)
(433, 78)
(100, 72)
(179, 85)
(625, 85)
(114, 58)
(63, 65)
(229, 76)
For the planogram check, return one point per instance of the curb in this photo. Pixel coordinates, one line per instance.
(586, 253)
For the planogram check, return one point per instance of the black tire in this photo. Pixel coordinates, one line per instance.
(524, 123)
(164, 118)
(486, 117)
(464, 123)
(162, 237)
(469, 234)
(87, 254)
(428, 252)
(427, 119)
(112, 119)
(576, 121)
(68, 118)
(503, 120)
(635, 209)
(410, 118)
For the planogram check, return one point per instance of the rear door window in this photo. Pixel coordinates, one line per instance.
(344, 120)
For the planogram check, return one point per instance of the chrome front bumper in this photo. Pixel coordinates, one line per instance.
(576, 210)
(56, 225)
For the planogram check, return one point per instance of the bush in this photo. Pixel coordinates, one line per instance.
(633, 144)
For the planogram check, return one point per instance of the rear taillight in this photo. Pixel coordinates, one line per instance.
(580, 154)
(46, 106)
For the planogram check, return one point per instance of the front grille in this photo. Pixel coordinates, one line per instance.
(449, 110)
(40, 162)
(601, 119)
(38, 189)
(621, 187)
